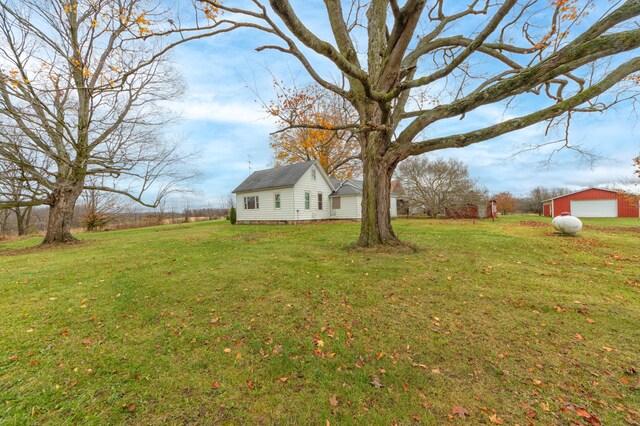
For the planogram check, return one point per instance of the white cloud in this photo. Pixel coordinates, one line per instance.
(224, 112)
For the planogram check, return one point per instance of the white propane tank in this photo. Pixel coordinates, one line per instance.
(567, 224)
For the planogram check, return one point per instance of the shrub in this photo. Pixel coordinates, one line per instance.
(94, 221)
(232, 215)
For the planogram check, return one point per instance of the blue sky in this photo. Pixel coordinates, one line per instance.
(223, 121)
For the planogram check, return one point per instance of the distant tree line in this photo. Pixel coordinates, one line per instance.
(99, 211)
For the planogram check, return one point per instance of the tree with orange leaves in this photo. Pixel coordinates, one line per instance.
(506, 202)
(311, 124)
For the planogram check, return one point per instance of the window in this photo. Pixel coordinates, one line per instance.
(335, 203)
(251, 203)
(307, 201)
(277, 201)
(319, 201)
(313, 174)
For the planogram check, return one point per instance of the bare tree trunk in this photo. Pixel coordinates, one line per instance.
(23, 216)
(375, 226)
(63, 202)
(4, 222)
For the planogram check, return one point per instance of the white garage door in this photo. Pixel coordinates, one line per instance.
(594, 208)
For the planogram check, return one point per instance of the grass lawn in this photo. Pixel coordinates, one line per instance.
(488, 322)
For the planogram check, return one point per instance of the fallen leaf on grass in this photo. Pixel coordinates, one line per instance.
(12, 358)
(376, 383)
(130, 407)
(590, 321)
(227, 350)
(283, 379)
(593, 421)
(88, 341)
(215, 385)
(333, 401)
(64, 332)
(495, 419)
(459, 411)
(607, 348)
(579, 336)
(250, 384)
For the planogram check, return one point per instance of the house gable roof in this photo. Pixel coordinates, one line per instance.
(276, 177)
(577, 192)
(348, 187)
(280, 177)
(351, 187)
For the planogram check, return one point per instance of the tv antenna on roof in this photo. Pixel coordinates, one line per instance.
(249, 163)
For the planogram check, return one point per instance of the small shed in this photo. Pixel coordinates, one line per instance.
(593, 202)
(473, 211)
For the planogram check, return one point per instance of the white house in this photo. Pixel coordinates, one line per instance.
(346, 201)
(297, 193)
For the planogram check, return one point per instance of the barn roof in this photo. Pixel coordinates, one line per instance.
(577, 192)
(276, 177)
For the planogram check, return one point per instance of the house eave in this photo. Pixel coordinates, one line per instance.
(577, 192)
(262, 189)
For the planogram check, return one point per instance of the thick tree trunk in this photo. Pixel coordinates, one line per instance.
(375, 227)
(63, 202)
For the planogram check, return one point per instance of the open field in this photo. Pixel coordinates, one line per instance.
(208, 323)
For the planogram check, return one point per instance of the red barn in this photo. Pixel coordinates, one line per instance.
(593, 202)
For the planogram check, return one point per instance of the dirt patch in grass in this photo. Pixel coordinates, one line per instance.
(586, 243)
(619, 229)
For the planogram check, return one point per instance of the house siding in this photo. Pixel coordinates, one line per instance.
(313, 187)
(351, 207)
(394, 206)
(267, 210)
